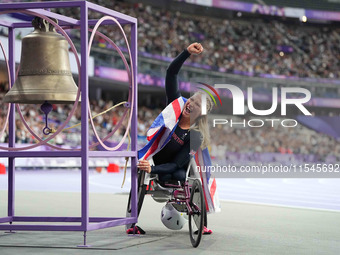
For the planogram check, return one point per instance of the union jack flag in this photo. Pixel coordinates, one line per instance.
(203, 160)
(160, 133)
(162, 128)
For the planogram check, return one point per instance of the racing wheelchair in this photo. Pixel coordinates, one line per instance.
(184, 197)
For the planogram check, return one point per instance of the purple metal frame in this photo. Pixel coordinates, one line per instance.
(87, 223)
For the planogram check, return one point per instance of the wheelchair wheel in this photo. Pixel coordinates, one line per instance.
(196, 220)
(141, 191)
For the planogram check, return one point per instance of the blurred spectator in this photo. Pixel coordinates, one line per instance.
(240, 46)
(231, 45)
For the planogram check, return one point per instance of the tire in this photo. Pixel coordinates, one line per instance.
(196, 220)
(141, 191)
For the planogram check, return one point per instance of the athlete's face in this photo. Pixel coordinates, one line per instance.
(192, 108)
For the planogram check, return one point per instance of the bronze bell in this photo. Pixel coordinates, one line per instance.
(45, 73)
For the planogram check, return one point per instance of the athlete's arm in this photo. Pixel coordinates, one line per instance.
(171, 80)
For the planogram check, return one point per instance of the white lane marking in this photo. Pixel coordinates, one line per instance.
(302, 187)
(329, 181)
(289, 201)
(282, 193)
(280, 205)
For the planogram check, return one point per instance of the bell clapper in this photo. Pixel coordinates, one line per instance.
(46, 107)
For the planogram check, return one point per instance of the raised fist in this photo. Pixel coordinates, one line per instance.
(195, 48)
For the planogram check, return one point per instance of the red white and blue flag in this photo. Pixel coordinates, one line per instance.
(162, 128)
(160, 133)
(203, 161)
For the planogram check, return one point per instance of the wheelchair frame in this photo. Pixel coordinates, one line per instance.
(186, 197)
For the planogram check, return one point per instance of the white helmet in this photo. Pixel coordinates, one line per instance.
(172, 218)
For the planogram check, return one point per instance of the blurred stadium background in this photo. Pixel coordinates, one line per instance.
(250, 43)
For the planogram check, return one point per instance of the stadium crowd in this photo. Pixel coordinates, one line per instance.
(298, 140)
(233, 45)
(241, 46)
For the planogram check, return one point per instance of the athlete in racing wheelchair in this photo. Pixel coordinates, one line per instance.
(174, 137)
